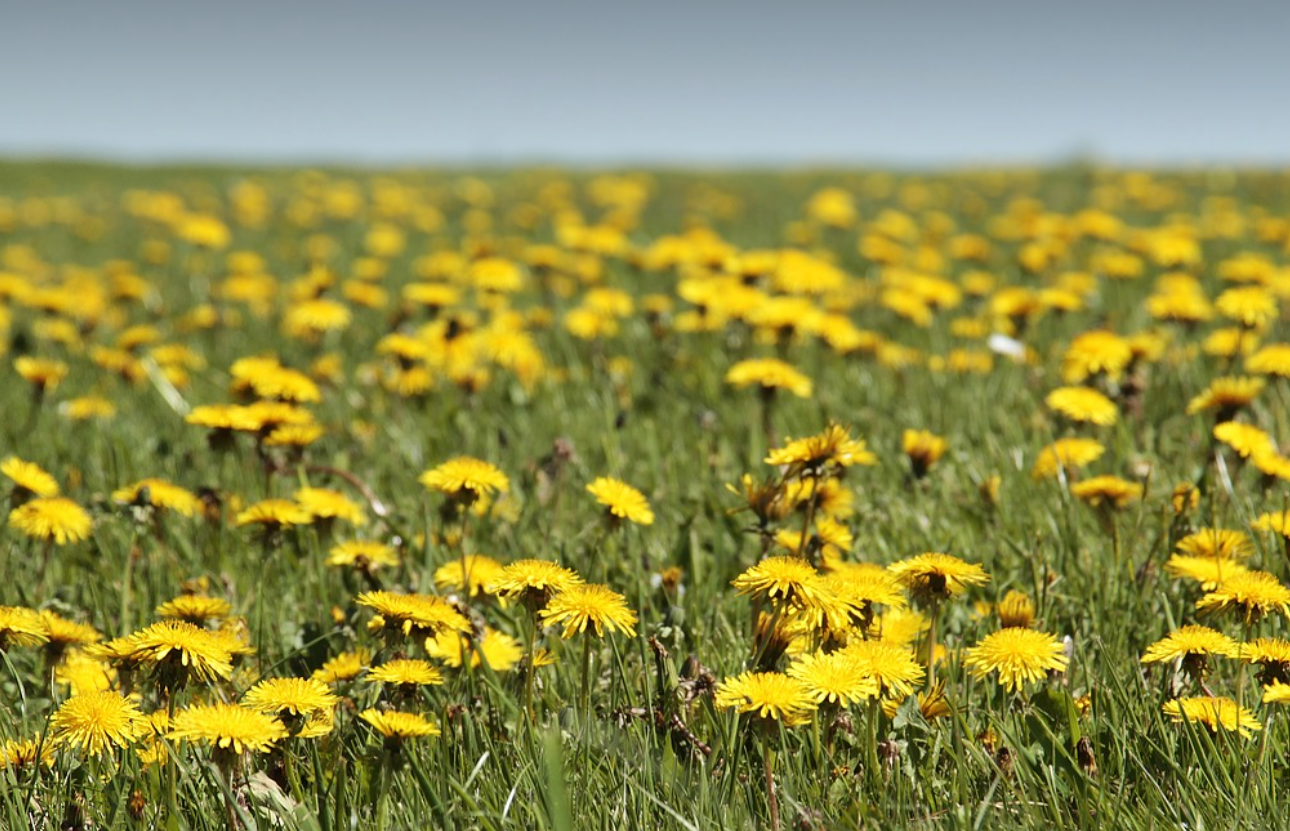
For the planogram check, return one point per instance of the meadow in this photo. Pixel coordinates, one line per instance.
(571, 500)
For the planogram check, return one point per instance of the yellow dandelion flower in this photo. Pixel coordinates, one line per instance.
(1252, 593)
(322, 503)
(1095, 353)
(1108, 491)
(833, 447)
(475, 576)
(230, 728)
(892, 666)
(923, 449)
(160, 494)
(621, 500)
(936, 575)
(497, 649)
(274, 514)
(1226, 396)
(1083, 405)
(364, 555)
(1214, 713)
(1272, 359)
(28, 477)
(82, 673)
(20, 626)
(405, 672)
(466, 478)
(24, 753)
(533, 582)
(397, 726)
(770, 696)
(834, 678)
(784, 581)
(1016, 610)
(414, 613)
(1066, 454)
(55, 519)
(1246, 440)
(580, 605)
(1188, 642)
(195, 608)
(1217, 544)
(1017, 655)
(769, 374)
(175, 648)
(343, 667)
(1278, 692)
(96, 722)
(43, 374)
(294, 696)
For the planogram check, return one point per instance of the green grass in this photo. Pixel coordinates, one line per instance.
(672, 428)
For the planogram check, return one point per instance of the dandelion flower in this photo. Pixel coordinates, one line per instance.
(364, 555)
(1066, 454)
(786, 581)
(1018, 655)
(533, 582)
(160, 494)
(20, 626)
(175, 648)
(405, 672)
(769, 374)
(420, 613)
(1252, 593)
(474, 577)
(290, 696)
(1217, 544)
(770, 696)
(497, 649)
(1226, 396)
(228, 728)
(43, 374)
(834, 678)
(1215, 713)
(892, 666)
(1273, 654)
(344, 667)
(833, 447)
(1273, 359)
(1246, 440)
(936, 576)
(1107, 491)
(96, 722)
(397, 726)
(1096, 353)
(322, 503)
(580, 605)
(54, 519)
(28, 477)
(1190, 643)
(923, 449)
(466, 478)
(621, 500)
(1278, 692)
(195, 608)
(1083, 405)
(274, 514)
(24, 753)
(1016, 610)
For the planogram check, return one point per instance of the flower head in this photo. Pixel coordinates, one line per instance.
(322, 503)
(834, 678)
(55, 519)
(364, 555)
(533, 582)
(769, 374)
(1018, 655)
(290, 696)
(1190, 642)
(580, 605)
(621, 500)
(1217, 544)
(1215, 713)
(423, 614)
(933, 575)
(343, 667)
(923, 449)
(159, 494)
(1016, 610)
(273, 514)
(1107, 491)
(784, 581)
(497, 649)
(29, 477)
(406, 672)
(21, 626)
(466, 478)
(230, 728)
(195, 608)
(96, 722)
(397, 726)
(1083, 405)
(1066, 454)
(474, 577)
(1226, 396)
(1251, 593)
(770, 696)
(810, 456)
(891, 665)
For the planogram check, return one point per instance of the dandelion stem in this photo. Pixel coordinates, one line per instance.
(586, 674)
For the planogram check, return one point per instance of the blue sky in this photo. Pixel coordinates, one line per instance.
(734, 83)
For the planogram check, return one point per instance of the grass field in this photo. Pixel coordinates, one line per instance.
(948, 463)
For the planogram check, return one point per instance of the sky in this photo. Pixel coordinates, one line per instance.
(663, 82)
